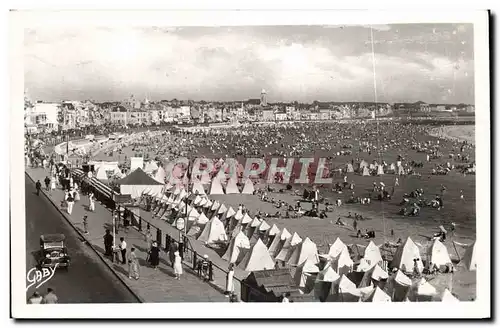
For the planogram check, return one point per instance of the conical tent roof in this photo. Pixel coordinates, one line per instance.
(448, 297)
(160, 175)
(101, 173)
(216, 187)
(469, 259)
(255, 222)
(198, 187)
(213, 232)
(405, 255)
(287, 248)
(305, 251)
(215, 206)
(263, 226)
(328, 274)
(246, 219)
(337, 247)
(425, 288)
(279, 241)
(372, 254)
(202, 219)
(248, 188)
(273, 231)
(138, 178)
(402, 279)
(222, 209)
(378, 295)
(230, 212)
(238, 216)
(237, 244)
(197, 200)
(375, 273)
(231, 187)
(306, 267)
(343, 263)
(437, 254)
(345, 285)
(257, 259)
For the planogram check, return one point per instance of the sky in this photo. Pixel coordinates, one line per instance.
(404, 63)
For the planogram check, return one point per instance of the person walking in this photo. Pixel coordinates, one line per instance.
(71, 202)
(108, 243)
(85, 225)
(133, 265)
(53, 183)
(229, 281)
(36, 298)
(177, 265)
(123, 250)
(47, 183)
(148, 237)
(154, 255)
(91, 202)
(38, 186)
(171, 253)
(50, 297)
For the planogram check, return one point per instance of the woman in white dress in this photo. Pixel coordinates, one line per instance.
(91, 202)
(177, 265)
(53, 183)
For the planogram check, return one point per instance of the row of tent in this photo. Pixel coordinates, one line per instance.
(365, 168)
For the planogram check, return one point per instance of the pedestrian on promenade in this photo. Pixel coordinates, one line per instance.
(148, 237)
(53, 183)
(108, 243)
(71, 202)
(177, 265)
(133, 265)
(91, 202)
(171, 253)
(50, 297)
(123, 249)
(47, 183)
(229, 281)
(154, 255)
(38, 186)
(35, 299)
(85, 225)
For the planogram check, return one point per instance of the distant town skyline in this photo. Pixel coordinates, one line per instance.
(433, 63)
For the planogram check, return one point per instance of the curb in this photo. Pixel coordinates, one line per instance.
(82, 236)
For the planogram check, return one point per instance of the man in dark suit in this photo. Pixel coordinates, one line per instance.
(38, 186)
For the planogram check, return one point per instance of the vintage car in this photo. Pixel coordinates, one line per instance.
(53, 250)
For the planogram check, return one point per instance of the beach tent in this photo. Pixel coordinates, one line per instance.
(198, 187)
(372, 254)
(288, 247)
(197, 200)
(257, 258)
(137, 182)
(343, 263)
(250, 228)
(401, 170)
(380, 170)
(101, 173)
(231, 187)
(377, 295)
(349, 168)
(363, 164)
(337, 247)
(422, 291)
(271, 234)
(248, 188)
(448, 297)
(246, 219)
(374, 276)
(438, 255)
(215, 206)
(305, 251)
(398, 286)
(278, 242)
(366, 172)
(236, 250)
(328, 274)
(198, 225)
(344, 290)
(236, 219)
(405, 255)
(227, 216)
(160, 175)
(469, 259)
(216, 187)
(305, 275)
(213, 232)
(222, 209)
(261, 232)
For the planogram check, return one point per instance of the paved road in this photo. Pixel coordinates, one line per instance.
(88, 280)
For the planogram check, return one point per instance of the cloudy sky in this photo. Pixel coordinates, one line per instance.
(433, 63)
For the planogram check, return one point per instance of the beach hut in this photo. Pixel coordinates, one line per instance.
(257, 258)
(406, 256)
(237, 248)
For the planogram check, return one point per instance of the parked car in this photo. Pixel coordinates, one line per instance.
(53, 250)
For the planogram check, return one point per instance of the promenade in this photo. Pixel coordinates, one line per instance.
(153, 286)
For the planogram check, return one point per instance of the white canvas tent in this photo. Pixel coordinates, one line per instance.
(438, 255)
(405, 255)
(422, 291)
(257, 258)
(373, 276)
(448, 297)
(377, 295)
(343, 263)
(398, 286)
(337, 247)
(237, 248)
(198, 187)
(213, 232)
(278, 242)
(469, 258)
(138, 182)
(231, 187)
(150, 167)
(288, 247)
(216, 187)
(305, 251)
(372, 254)
(344, 290)
(160, 175)
(305, 275)
(248, 188)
